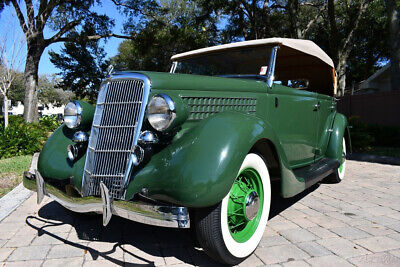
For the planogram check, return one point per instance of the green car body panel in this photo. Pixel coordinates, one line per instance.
(335, 144)
(53, 161)
(198, 167)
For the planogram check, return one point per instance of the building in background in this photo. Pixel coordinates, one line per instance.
(373, 100)
(378, 82)
(43, 110)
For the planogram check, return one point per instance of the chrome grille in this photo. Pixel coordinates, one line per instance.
(117, 121)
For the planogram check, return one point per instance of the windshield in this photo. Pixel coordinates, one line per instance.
(250, 61)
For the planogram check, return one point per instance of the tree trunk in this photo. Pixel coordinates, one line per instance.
(31, 83)
(293, 11)
(5, 107)
(341, 73)
(393, 22)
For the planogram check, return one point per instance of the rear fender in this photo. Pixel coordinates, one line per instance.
(335, 144)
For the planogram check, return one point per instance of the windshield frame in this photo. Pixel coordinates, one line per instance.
(270, 72)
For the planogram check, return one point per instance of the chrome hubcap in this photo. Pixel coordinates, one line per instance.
(252, 205)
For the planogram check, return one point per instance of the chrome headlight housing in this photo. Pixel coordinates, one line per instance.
(161, 112)
(73, 114)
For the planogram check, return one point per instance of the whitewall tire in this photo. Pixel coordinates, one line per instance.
(338, 175)
(342, 168)
(230, 231)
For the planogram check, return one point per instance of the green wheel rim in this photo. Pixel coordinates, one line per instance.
(341, 168)
(240, 227)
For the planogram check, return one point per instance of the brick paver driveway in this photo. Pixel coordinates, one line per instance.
(356, 222)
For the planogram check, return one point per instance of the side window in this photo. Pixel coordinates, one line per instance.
(300, 84)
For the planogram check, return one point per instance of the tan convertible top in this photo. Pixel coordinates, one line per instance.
(296, 59)
(303, 46)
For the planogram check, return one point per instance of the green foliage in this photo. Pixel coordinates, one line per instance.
(387, 136)
(50, 123)
(46, 22)
(17, 89)
(15, 165)
(254, 19)
(83, 65)
(167, 28)
(361, 138)
(363, 60)
(163, 28)
(50, 94)
(47, 91)
(365, 136)
(15, 120)
(21, 138)
(11, 170)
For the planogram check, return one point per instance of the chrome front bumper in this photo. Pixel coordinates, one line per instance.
(142, 212)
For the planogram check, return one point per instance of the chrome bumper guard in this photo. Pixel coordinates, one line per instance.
(142, 212)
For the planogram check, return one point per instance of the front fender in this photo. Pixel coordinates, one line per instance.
(198, 169)
(53, 160)
(334, 150)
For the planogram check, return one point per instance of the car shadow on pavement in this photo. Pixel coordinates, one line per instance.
(141, 243)
(279, 204)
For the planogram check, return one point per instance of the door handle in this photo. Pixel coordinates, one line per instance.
(317, 106)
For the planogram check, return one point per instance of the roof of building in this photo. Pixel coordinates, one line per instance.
(381, 73)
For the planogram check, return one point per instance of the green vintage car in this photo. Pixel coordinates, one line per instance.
(200, 146)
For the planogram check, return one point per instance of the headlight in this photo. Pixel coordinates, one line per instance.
(161, 112)
(72, 114)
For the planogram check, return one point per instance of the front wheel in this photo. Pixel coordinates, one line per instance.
(230, 231)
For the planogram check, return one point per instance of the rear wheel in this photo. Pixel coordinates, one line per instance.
(338, 175)
(230, 231)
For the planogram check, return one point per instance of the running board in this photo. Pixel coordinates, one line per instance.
(314, 173)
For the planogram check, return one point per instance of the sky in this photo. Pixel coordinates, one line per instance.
(11, 30)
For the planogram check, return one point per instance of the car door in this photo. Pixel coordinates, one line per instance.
(293, 116)
(325, 115)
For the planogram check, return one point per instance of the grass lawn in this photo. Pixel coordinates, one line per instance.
(11, 171)
(385, 151)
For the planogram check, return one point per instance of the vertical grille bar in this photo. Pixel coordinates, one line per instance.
(116, 127)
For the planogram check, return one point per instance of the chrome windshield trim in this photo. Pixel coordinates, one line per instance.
(271, 67)
(173, 67)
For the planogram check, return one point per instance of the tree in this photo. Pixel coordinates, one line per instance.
(342, 20)
(10, 61)
(257, 19)
(62, 17)
(82, 64)
(17, 89)
(342, 28)
(50, 94)
(169, 27)
(368, 53)
(394, 28)
(333, 25)
(247, 20)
